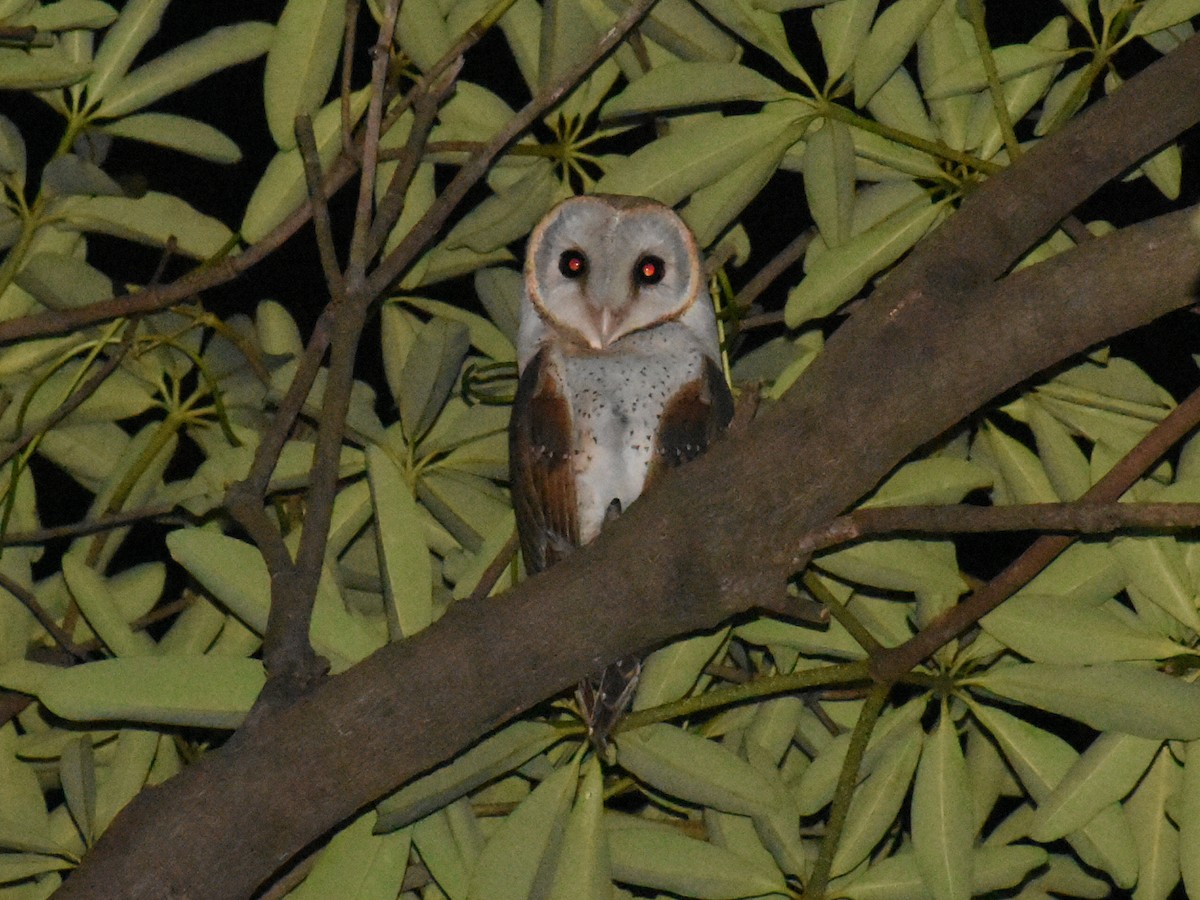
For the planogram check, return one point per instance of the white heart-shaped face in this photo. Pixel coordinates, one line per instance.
(600, 267)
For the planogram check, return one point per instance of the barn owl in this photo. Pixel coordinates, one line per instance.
(620, 379)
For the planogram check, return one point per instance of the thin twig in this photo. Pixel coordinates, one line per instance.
(30, 602)
(392, 204)
(307, 144)
(1081, 517)
(780, 263)
(894, 663)
(164, 513)
(495, 569)
(77, 397)
(349, 36)
(381, 53)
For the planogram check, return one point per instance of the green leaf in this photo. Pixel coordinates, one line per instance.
(449, 842)
(138, 22)
(127, 772)
(1060, 629)
(99, 607)
(300, 63)
(890, 41)
(1011, 61)
(66, 15)
(674, 166)
(1165, 170)
(400, 543)
(661, 858)
(183, 691)
(1041, 760)
(12, 151)
(77, 772)
(358, 864)
(898, 878)
(508, 866)
(688, 33)
(151, 219)
(842, 28)
(677, 85)
(942, 828)
(758, 27)
(510, 214)
(59, 281)
(694, 769)
(938, 481)
(1109, 697)
(180, 133)
(583, 870)
(38, 69)
(898, 104)
(947, 44)
(829, 180)
(282, 187)
(877, 801)
(712, 208)
(1156, 15)
(502, 752)
(430, 371)
(500, 292)
(1020, 475)
(1105, 773)
(186, 64)
(422, 34)
(1188, 817)
(1154, 835)
(567, 37)
(896, 564)
(1155, 567)
(670, 672)
(841, 272)
(1066, 466)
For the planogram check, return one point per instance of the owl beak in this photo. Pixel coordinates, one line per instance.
(604, 326)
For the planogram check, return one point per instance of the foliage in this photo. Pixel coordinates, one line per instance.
(965, 785)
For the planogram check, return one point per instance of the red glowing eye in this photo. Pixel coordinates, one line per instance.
(649, 270)
(572, 264)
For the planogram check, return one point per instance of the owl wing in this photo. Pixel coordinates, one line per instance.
(540, 466)
(692, 419)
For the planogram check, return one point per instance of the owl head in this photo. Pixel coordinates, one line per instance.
(600, 267)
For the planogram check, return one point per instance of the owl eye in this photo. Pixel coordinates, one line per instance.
(649, 270)
(573, 264)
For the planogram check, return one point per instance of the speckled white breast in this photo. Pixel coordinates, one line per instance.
(617, 398)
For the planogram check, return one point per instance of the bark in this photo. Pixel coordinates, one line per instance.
(943, 336)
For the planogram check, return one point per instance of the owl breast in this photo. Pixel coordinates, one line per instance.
(617, 399)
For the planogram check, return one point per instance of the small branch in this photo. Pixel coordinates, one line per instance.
(847, 782)
(780, 263)
(381, 56)
(76, 399)
(392, 204)
(30, 602)
(999, 104)
(894, 663)
(307, 143)
(495, 569)
(1080, 518)
(350, 36)
(165, 513)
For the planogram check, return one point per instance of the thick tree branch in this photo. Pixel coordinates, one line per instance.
(690, 554)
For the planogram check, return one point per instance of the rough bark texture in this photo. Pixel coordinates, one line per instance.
(939, 340)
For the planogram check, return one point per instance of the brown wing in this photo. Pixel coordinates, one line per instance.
(540, 467)
(692, 420)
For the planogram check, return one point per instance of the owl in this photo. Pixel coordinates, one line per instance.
(620, 375)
